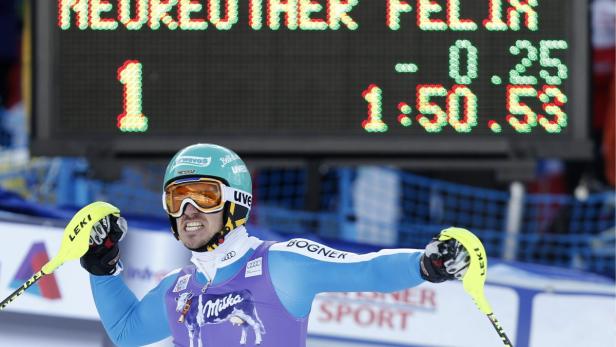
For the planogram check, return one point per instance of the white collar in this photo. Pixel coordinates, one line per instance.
(237, 244)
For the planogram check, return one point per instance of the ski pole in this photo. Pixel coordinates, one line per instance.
(475, 277)
(75, 243)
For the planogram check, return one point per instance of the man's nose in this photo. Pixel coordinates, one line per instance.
(190, 210)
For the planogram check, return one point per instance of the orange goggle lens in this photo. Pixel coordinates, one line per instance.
(206, 194)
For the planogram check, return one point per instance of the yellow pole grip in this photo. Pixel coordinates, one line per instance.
(75, 241)
(475, 277)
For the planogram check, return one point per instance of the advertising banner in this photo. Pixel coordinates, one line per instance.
(415, 316)
(573, 320)
(147, 257)
(536, 307)
(23, 251)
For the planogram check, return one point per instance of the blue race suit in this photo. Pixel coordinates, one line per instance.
(293, 272)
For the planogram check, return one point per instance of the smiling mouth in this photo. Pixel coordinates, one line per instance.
(193, 226)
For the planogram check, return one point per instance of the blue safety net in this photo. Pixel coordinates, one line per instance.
(370, 205)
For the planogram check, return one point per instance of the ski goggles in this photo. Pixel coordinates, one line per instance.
(208, 195)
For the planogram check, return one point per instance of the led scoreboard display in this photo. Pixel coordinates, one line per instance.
(312, 76)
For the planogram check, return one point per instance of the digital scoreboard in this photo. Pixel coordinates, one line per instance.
(332, 77)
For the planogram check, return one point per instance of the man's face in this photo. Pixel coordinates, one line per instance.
(196, 228)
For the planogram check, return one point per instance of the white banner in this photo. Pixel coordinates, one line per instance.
(566, 311)
(573, 320)
(429, 314)
(23, 251)
(147, 257)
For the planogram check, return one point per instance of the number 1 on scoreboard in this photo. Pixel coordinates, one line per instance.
(131, 119)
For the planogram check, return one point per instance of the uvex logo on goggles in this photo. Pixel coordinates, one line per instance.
(242, 198)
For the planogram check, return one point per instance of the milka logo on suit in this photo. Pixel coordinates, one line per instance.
(237, 308)
(213, 308)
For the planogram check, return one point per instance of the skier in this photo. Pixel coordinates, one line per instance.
(239, 290)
